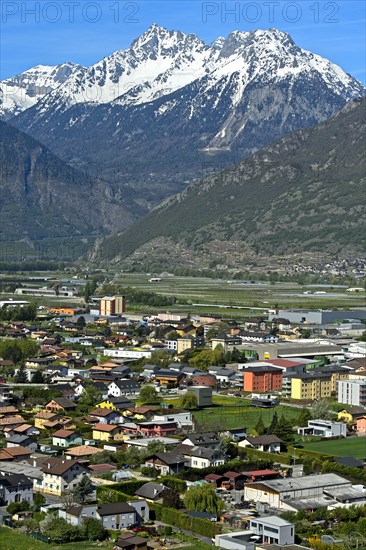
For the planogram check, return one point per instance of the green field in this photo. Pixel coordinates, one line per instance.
(228, 413)
(355, 447)
(10, 539)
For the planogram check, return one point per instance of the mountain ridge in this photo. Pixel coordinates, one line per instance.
(43, 200)
(304, 192)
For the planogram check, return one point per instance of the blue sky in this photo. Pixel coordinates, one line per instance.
(52, 31)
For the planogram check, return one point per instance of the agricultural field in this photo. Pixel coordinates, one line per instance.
(355, 447)
(204, 294)
(230, 298)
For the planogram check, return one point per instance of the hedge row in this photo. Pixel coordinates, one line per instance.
(128, 487)
(173, 517)
(353, 474)
(295, 451)
(273, 457)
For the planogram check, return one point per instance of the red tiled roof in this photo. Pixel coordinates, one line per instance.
(104, 427)
(63, 434)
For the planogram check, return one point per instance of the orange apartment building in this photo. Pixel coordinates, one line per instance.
(262, 379)
(112, 305)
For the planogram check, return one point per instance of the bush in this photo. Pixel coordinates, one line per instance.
(59, 531)
(93, 529)
(15, 507)
(174, 483)
(150, 472)
(273, 457)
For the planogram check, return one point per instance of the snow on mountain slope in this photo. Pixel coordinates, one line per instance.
(152, 117)
(160, 62)
(157, 63)
(25, 90)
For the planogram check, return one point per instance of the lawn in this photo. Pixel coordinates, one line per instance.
(10, 539)
(229, 413)
(355, 447)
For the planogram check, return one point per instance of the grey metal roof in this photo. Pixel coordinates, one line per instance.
(306, 482)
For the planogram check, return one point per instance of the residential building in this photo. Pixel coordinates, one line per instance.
(23, 429)
(26, 441)
(59, 404)
(316, 384)
(324, 428)
(151, 491)
(352, 392)
(119, 388)
(112, 305)
(76, 515)
(16, 454)
(200, 457)
(115, 403)
(106, 416)
(361, 425)
(15, 488)
(182, 418)
(205, 380)
(31, 471)
(262, 379)
(119, 515)
(60, 475)
(265, 443)
(43, 418)
(222, 375)
(351, 413)
(167, 377)
(66, 438)
(209, 440)
(239, 540)
(106, 432)
(82, 452)
(157, 428)
(169, 463)
(273, 530)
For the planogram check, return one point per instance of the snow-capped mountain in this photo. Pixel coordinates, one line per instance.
(152, 117)
(25, 90)
(157, 63)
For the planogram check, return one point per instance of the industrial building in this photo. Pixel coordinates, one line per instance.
(305, 493)
(319, 316)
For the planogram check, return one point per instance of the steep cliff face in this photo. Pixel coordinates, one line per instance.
(42, 197)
